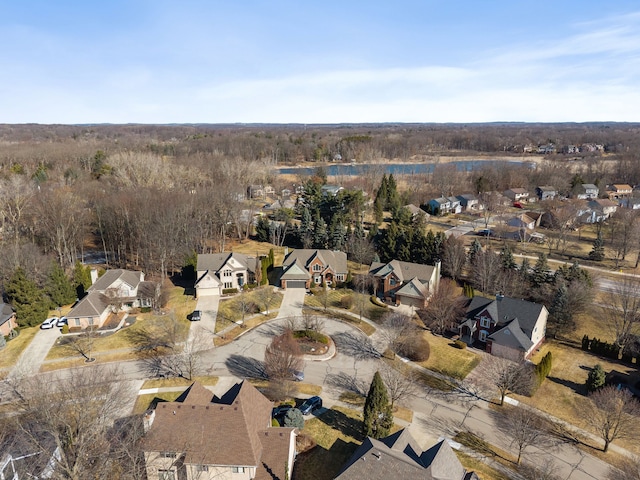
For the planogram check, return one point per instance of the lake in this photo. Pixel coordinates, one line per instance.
(344, 169)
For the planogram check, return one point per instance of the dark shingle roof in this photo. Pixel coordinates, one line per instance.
(336, 259)
(506, 309)
(215, 261)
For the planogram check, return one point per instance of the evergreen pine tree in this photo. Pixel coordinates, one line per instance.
(58, 287)
(474, 250)
(597, 252)
(380, 202)
(81, 279)
(320, 236)
(596, 378)
(560, 313)
(393, 199)
(28, 301)
(378, 417)
(540, 271)
(506, 258)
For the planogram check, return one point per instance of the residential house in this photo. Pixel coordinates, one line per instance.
(278, 204)
(523, 221)
(303, 266)
(454, 205)
(517, 194)
(269, 190)
(416, 211)
(546, 192)
(203, 437)
(330, 190)
(25, 456)
(586, 191)
(547, 149)
(116, 291)
(400, 456)
(220, 271)
(255, 191)
(440, 205)
(619, 191)
(570, 149)
(507, 327)
(599, 210)
(7, 319)
(632, 203)
(285, 193)
(405, 283)
(470, 203)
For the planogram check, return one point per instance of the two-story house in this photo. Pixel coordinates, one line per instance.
(599, 210)
(586, 191)
(203, 437)
(220, 271)
(115, 291)
(440, 205)
(507, 327)
(546, 192)
(405, 283)
(469, 202)
(619, 191)
(517, 194)
(303, 266)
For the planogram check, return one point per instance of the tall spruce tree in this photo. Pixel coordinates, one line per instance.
(597, 252)
(58, 287)
(378, 416)
(506, 258)
(540, 273)
(81, 279)
(28, 300)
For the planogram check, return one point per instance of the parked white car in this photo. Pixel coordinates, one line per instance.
(49, 323)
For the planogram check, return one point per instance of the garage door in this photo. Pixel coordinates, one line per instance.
(296, 284)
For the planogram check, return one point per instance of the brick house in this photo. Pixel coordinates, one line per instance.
(303, 266)
(507, 327)
(7, 319)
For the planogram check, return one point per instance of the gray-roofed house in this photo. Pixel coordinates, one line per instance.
(440, 205)
(115, 291)
(203, 437)
(508, 327)
(586, 191)
(416, 211)
(517, 194)
(405, 283)
(546, 192)
(303, 266)
(400, 456)
(469, 202)
(219, 271)
(7, 319)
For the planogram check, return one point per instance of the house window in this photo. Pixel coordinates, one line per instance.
(77, 322)
(226, 273)
(166, 475)
(340, 278)
(237, 469)
(317, 268)
(202, 468)
(318, 279)
(485, 322)
(228, 284)
(482, 336)
(168, 454)
(392, 281)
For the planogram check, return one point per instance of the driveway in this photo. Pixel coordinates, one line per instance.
(32, 357)
(201, 333)
(292, 303)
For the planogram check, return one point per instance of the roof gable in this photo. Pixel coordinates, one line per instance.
(129, 277)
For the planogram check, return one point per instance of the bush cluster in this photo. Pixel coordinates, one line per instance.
(228, 291)
(459, 344)
(543, 369)
(311, 335)
(376, 301)
(606, 349)
(346, 302)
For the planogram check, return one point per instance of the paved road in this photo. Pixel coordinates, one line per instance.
(32, 357)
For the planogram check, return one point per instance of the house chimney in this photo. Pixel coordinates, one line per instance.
(148, 419)
(94, 275)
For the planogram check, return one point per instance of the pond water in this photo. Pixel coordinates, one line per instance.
(399, 168)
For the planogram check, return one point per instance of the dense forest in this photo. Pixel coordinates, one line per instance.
(150, 197)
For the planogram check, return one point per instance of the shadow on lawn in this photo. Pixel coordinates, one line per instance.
(348, 426)
(322, 464)
(579, 388)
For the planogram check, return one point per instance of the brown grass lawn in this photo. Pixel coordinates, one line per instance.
(563, 394)
(229, 310)
(178, 307)
(144, 402)
(178, 382)
(359, 302)
(250, 322)
(484, 471)
(10, 354)
(447, 359)
(251, 247)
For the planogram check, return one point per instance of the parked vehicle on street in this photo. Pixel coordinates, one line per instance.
(311, 404)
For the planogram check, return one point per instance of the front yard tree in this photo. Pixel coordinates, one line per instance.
(378, 416)
(444, 309)
(560, 314)
(597, 252)
(621, 310)
(525, 428)
(596, 378)
(400, 382)
(59, 287)
(81, 279)
(29, 302)
(613, 413)
(507, 376)
(454, 257)
(282, 357)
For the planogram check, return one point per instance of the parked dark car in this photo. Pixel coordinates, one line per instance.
(280, 411)
(196, 316)
(310, 404)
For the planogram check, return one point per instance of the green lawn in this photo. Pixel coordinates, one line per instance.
(449, 360)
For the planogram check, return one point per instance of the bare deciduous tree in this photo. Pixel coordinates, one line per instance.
(282, 357)
(454, 257)
(506, 376)
(266, 296)
(445, 308)
(613, 413)
(525, 428)
(621, 309)
(540, 471)
(400, 382)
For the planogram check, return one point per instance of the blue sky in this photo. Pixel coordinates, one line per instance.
(157, 61)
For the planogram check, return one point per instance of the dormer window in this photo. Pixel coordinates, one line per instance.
(485, 322)
(317, 268)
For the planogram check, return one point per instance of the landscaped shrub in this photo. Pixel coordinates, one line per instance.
(596, 378)
(229, 291)
(606, 349)
(376, 301)
(460, 344)
(586, 344)
(145, 309)
(543, 369)
(311, 335)
(346, 301)
(415, 348)
(65, 329)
